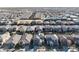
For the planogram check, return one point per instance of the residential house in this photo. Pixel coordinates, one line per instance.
(25, 40)
(51, 41)
(12, 41)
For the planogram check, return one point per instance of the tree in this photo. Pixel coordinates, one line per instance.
(33, 22)
(18, 46)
